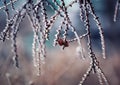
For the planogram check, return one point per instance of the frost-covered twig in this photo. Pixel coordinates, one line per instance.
(58, 13)
(14, 32)
(11, 2)
(39, 39)
(117, 6)
(90, 7)
(94, 65)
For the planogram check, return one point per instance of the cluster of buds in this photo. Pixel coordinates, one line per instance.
(62, 42)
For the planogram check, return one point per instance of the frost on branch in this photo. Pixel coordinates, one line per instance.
(42, 24)
(117, 7)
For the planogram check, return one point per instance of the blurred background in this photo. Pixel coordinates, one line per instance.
(63, 67)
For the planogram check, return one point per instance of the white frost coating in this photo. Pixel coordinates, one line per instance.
(80, 46)
(78, 51)
(116, 10)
